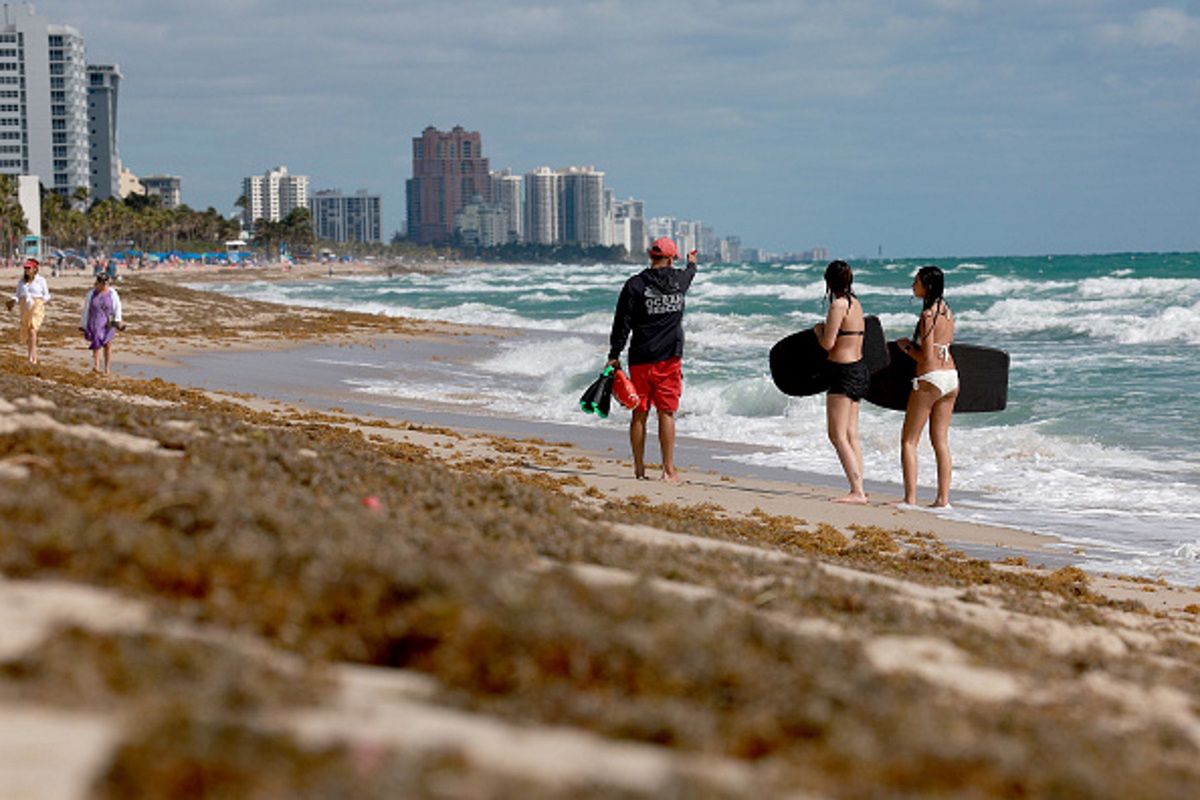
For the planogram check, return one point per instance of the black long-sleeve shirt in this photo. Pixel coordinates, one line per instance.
(651, 306)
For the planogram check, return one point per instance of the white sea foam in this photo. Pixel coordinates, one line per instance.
(1105, 320)
(544, 359)
(1166, 288)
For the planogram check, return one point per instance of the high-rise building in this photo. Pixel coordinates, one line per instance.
(347, 218)
(448, 171)
(731, 249)
(43, 101)
(273, 195)
(541, 206)
(103, 82)
(168, 188)
(687, 235)
(658, 227)
(581, 206)
(508, 193)
(480, 224)
(629, 225)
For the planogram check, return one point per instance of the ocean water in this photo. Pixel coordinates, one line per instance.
(1099, 446)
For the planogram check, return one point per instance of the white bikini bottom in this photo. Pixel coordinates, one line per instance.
(945, 380)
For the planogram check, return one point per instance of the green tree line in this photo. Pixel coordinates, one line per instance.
(13, 224)
(138, 221)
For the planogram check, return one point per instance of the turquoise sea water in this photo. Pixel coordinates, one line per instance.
(1098, 445)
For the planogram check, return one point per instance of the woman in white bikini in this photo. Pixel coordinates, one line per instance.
(934, 389)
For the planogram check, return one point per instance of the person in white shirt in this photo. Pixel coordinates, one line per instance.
(32, 295)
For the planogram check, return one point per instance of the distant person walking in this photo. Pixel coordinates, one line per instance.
(934, 389)
(101, 320)
(842, 334)
(32, 295)
(650, 307)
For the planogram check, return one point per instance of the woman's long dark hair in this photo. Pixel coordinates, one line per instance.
(838, 279)
(934, 281)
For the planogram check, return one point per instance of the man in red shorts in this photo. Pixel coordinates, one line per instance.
(651, 306)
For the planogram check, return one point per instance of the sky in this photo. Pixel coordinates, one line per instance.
(911, 128)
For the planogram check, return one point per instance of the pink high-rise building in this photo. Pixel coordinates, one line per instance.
(449, 171)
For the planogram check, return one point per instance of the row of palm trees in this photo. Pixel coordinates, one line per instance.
(142, 223)
(139, 222)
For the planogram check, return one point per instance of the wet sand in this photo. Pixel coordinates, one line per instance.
(313, 377)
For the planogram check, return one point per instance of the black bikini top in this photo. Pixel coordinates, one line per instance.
(851, 333)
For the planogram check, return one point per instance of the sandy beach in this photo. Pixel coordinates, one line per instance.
(217, 569)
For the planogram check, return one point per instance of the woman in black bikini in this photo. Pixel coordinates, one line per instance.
(842, 335)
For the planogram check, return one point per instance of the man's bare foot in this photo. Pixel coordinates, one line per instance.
(943, 505)
(853, 499)
(672, 478)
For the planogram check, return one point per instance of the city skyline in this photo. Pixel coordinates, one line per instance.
(926, 127)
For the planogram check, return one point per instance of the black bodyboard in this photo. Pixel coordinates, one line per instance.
(798, 361)
(982, 379)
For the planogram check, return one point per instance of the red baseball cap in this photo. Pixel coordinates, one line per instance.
(663, 248)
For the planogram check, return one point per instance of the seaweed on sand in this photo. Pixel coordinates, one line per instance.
(258, 527)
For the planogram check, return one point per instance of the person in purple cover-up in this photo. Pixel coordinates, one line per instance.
(101, 320)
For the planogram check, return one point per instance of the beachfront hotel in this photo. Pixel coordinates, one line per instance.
(43, 101)
(273, 195)
(104, 80)
(347, 218)
(449, 170)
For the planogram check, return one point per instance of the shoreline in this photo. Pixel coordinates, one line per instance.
(172, 351)
(269, 375)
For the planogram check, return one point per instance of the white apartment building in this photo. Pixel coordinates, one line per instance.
(541, 206)
(566, 206)
(629, 225)
(166, 187)
(340, 218)
(43, 100)
(508, 192)
(658, 227)
(273, 195)
(688, 234)
(581, 217)
(480, 224)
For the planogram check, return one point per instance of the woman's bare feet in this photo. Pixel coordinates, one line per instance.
(672, 478)
(854, 499)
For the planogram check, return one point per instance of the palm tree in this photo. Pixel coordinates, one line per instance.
(12, 216)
